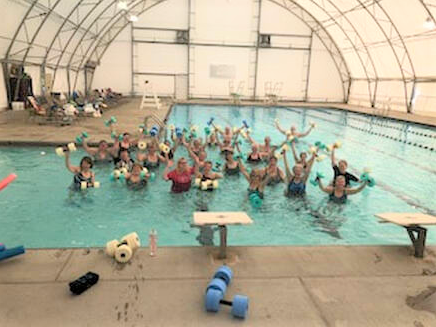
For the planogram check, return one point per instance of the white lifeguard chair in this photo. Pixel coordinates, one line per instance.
(272, 92)
(235, 95)
(149, 98)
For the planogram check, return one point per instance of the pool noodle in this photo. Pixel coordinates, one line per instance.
(5, 182)
(11, 252)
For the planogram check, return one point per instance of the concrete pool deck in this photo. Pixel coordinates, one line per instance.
(335, 286)
(15, 127)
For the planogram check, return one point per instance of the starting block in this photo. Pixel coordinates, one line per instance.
(222, 219)
(411, 222)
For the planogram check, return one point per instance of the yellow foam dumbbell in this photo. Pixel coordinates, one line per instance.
(142, 145)
(123, 253)
(71, 147)
(111, 246)
(132, 241)
(60, 151)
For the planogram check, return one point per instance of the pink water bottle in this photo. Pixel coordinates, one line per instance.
(152, 238)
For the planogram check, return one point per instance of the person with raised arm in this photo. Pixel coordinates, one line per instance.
(338, 192)
(82, 173)
(297, 179)
(340, 169)
(181, 176)
(102, 153)
(256, 180)
(293, 130)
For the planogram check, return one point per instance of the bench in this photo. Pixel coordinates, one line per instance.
(411, 222)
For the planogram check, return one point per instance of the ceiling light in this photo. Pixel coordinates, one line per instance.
(133, 18)
(429, 24)
(122, 5)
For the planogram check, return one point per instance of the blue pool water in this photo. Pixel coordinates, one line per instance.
(37, 210)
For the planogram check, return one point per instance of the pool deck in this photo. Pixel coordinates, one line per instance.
(335, 286)
(16, 129)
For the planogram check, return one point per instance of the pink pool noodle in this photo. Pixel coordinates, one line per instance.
(5, 182)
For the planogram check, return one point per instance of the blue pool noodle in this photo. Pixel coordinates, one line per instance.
(8, 253)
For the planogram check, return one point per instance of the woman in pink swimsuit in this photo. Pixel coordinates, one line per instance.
(181, 176)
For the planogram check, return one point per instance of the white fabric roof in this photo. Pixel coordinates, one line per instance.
(375, 41)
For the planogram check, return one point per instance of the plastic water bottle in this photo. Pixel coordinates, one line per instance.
(152, 238)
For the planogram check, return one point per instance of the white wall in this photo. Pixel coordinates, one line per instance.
(114, 69)
(324, 80)
(203, 85)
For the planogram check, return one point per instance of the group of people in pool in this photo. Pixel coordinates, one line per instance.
(262, 158)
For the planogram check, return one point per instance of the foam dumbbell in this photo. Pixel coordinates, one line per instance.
(71, 147)
(79, 138)
(154, 131)
(111, 121)
(115, 175)
(85, 185)
(123, 251)
(239, 304)
(132, 240)
(142, 145)
(210, 122)
(315, 181)
(224, 273)
(207, 130)
(60, 151)
(12, 252)
(320, 158)
(366, 178)
(164, 148)
(255, 200)
(244, 122)
(179, 132)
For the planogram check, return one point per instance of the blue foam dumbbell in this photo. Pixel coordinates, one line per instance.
(239, 304)
(217, 284)
(154, 131)
(244, 122)
(8, 253)
(213, 299)
(210, 122)
(224, 273)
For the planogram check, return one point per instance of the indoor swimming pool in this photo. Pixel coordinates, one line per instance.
(38, 211)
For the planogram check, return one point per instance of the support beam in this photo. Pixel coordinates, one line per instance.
(256, 63)
(306, 92)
